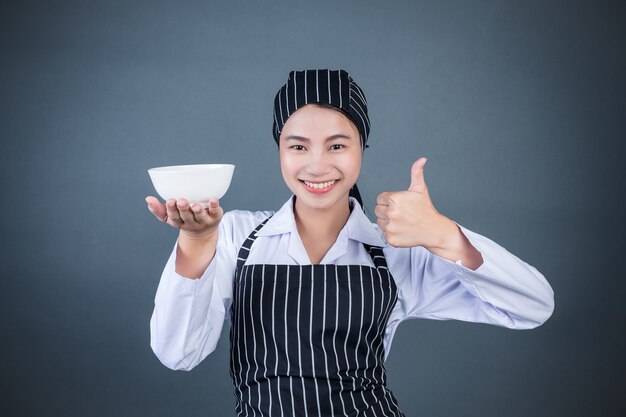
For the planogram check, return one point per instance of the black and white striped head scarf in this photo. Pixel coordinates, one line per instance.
(322, 86)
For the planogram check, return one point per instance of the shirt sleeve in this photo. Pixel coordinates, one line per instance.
(189, 314)
(503, 291)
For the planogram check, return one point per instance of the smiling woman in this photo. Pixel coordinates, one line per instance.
(320, 159)
(315, 291)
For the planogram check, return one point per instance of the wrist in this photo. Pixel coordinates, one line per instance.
(448, 235)
(205, 236)
(455, 246)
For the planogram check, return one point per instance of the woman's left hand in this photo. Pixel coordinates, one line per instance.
(409, 218)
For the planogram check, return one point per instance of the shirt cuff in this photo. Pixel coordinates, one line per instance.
(471, 237)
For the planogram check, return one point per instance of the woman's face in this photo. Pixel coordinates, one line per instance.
(320, 156)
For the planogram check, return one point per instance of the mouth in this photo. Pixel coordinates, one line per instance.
(319, 187)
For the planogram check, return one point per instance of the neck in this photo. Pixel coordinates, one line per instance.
(322, 224)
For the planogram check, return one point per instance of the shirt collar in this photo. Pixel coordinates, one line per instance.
(358, 227)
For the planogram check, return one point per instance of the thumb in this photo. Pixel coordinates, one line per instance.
(418, 183)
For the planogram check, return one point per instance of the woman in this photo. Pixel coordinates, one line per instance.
(316, 291)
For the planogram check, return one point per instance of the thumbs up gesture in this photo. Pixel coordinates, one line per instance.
(408, 218)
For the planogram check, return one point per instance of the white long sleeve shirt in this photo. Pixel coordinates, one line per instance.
(189, 313)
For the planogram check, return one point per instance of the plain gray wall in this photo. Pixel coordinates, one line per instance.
(519, 106)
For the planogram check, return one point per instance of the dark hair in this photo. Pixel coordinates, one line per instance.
(354, 192)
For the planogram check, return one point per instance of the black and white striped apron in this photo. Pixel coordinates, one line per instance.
(308, 340)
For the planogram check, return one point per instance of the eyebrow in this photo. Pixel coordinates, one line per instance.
(328, 139)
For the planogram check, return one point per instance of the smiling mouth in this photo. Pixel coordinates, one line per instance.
(319, 187)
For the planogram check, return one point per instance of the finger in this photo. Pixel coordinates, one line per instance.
(172, 215)
(184, 208)
(418, 183)
(214, 209)
(383, 199)
(381, 212)
(156, 208)
(200, 214)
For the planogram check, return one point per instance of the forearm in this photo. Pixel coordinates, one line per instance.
(187, 318)
(195, 253)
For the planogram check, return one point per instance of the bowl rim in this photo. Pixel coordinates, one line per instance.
(189, 167)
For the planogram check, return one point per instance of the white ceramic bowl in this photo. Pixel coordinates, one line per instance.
(197, 183)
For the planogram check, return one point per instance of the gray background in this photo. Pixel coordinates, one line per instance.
(519, 107)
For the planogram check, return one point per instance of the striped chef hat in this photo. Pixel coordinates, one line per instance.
(323, 86)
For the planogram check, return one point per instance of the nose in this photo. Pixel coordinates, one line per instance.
(318, 163)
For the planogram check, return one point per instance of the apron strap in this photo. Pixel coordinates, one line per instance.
(244, 251)
(378, 257)
(376, 252)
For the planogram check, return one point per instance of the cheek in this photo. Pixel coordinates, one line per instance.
(353, 164)
(286, 165)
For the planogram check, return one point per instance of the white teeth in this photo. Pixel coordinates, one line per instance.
(320, 185)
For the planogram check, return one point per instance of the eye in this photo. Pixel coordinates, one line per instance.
(337, 147)
(297, 147)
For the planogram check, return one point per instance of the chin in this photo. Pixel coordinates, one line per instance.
(317, 202)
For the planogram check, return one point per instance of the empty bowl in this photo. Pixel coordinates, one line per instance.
(197, 183)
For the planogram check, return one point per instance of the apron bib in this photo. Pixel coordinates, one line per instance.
(308, 340)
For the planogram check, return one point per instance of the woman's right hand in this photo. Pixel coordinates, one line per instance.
(193, 220)
(197, 237)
